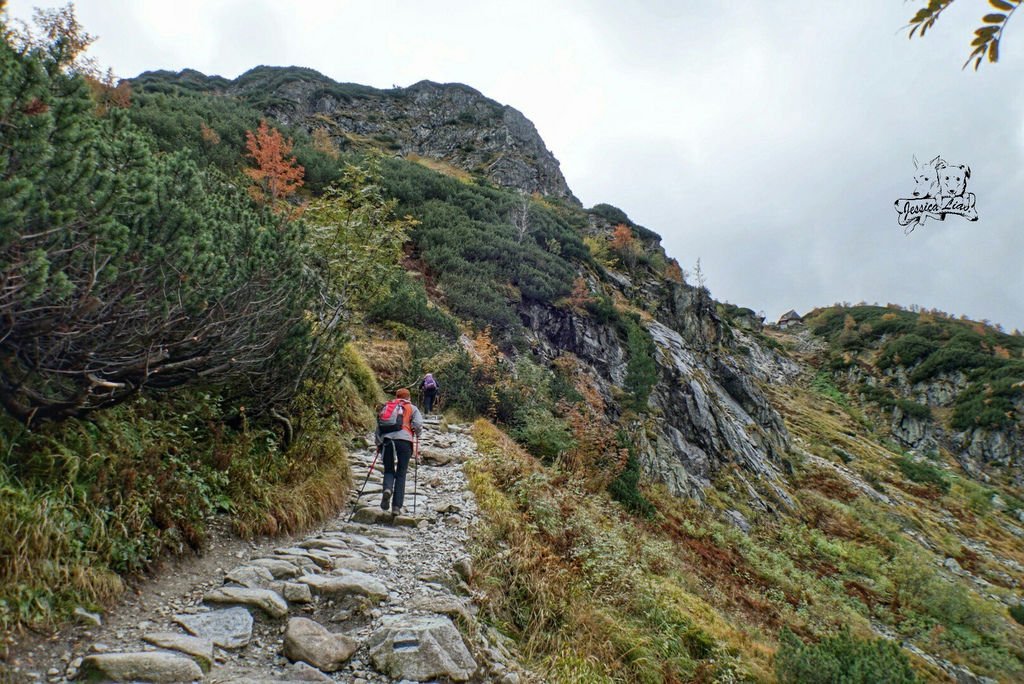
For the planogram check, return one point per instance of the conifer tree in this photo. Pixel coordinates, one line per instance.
(119, 269)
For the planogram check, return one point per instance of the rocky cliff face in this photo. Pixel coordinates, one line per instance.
(707, 411)
(978, 450)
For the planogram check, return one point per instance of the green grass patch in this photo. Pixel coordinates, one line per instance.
(823, 384)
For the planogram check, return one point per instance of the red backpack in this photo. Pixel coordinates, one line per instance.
(396, 415)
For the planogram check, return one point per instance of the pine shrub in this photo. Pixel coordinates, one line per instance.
(127, 269)
(841, 659)
(541, 433)
(923, 473)
(641, 369)
(625, 489)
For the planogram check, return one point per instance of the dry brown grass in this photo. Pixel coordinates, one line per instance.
(559, 564)
(442, 167)
(316, 488)
(388, 358)
(36, 553)
(828, 484)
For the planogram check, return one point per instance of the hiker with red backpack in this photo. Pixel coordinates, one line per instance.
(428, 389)
(399, 425)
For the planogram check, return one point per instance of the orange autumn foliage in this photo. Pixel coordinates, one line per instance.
(485, 353)
(622, 237)
(580, 295)
(275, 175)
(109, 93)
(485, 358)
(625, 245)
(673, 271)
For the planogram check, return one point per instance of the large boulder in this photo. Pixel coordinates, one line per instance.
(421, 648)
(310, 642)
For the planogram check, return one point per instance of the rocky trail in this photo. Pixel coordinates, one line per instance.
(369, 600)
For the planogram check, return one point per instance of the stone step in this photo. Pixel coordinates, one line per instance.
(229, 628)
(146, 666)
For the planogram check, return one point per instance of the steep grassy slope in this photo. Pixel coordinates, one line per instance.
(875, 542)
(915, 543)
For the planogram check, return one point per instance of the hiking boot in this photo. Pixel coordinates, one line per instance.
(396, 511)
(385, 500)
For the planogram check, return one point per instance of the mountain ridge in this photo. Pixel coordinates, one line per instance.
(455, 123)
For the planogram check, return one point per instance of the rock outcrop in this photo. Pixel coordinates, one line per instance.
(707, 406)
(977, 449)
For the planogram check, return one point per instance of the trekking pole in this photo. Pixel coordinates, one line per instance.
(415, 471)
(360, 494)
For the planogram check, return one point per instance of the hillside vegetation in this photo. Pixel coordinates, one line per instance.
(669, 492)
(682, 594)
(163, 354)
(923, 347)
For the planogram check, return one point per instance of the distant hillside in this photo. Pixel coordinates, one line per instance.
(940, 382)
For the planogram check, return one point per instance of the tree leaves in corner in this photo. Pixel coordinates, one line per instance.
(986, 37)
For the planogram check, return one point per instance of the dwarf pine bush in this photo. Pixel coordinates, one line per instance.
(841, 659)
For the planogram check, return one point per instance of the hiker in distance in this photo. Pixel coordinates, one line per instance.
(428, 390)
(399, 425)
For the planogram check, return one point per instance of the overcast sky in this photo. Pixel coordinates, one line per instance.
(768, 139)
